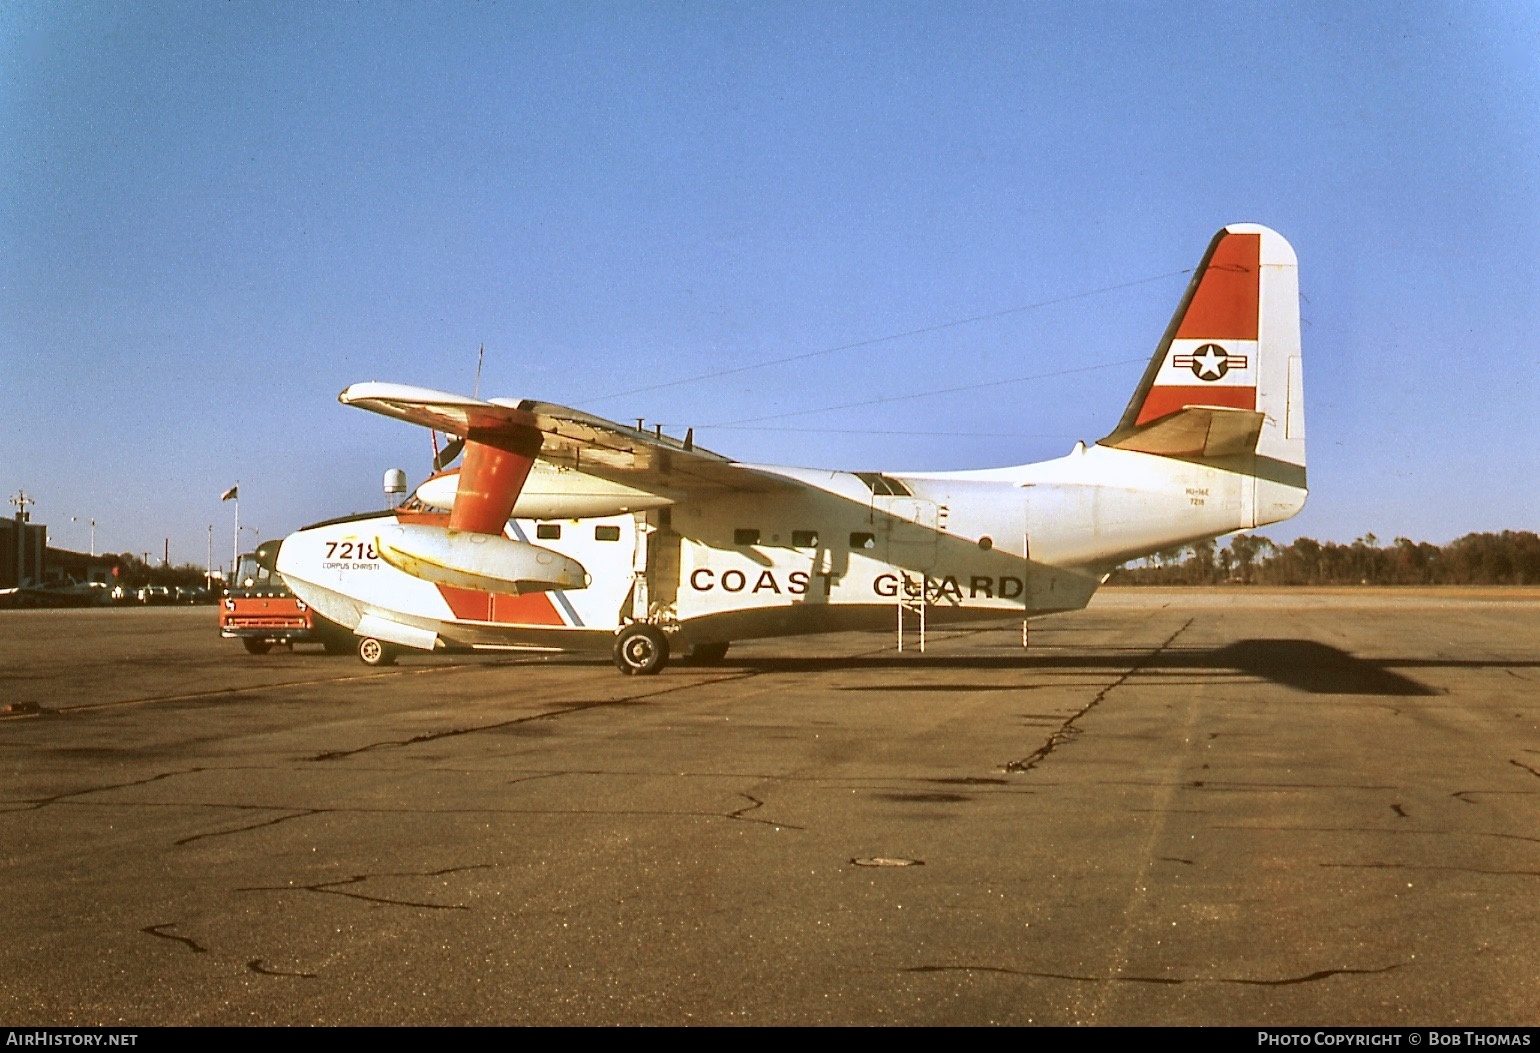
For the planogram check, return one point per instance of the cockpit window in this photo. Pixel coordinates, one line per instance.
(883, 485)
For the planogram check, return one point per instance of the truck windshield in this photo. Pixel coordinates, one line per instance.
(251, 575)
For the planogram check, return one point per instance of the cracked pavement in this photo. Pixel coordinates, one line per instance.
(1181, 808)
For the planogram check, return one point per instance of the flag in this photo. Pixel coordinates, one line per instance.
(232, 492)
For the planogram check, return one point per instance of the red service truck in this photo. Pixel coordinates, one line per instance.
(259, 610)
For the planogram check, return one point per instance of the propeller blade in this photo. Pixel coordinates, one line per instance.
(449, 453)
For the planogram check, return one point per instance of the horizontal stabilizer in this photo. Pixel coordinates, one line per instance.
(1194, 431)
(482, 562)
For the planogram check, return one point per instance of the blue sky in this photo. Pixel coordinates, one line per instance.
(213, 217)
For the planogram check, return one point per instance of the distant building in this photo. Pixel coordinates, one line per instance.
(61, 564)
(23, 552)
(26, 559)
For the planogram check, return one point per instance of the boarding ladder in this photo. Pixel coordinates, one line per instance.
(915, 605)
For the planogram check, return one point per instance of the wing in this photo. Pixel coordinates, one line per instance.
(569, 438)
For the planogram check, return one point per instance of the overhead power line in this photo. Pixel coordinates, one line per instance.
(898, 431)
(939, 327)
(924, 394)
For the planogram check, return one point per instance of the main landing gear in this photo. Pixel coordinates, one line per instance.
(641, 650)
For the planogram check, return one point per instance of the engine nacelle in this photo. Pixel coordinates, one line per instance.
(551, 492)
(483, 562)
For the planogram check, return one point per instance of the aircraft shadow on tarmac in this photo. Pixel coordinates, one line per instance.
(1303, 665)
(1308, 666)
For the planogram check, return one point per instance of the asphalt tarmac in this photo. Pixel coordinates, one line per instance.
(1300, 808)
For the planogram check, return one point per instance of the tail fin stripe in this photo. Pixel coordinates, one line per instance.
(1224, 306)
(1168, 399)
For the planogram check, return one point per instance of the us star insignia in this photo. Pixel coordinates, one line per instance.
(1209, 362)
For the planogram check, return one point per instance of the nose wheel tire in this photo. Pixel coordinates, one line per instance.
(641, 650)
(374, 652)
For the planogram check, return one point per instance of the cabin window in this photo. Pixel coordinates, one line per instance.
(746, 536)
(548, 531)
(863, 542)
(883, 485)
(606, 533)
(804, 539)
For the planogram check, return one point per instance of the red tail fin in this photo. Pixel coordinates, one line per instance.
(1232, 345)
(1209, 356)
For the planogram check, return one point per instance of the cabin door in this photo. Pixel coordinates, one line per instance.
(909, 529)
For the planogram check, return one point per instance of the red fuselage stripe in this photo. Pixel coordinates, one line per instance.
(504, 608)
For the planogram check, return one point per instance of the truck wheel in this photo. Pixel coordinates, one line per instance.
(708, 653)
(641, 650)
(254, 646)
(375, 652)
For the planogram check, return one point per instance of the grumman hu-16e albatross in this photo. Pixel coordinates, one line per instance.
(563, 530)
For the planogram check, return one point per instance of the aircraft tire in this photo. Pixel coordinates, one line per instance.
(641, 650)
(374, 652)
(255, 646)
(709, 653)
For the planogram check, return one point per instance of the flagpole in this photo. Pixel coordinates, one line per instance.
(235, 545)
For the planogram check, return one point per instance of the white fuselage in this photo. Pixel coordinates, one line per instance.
(835, 550)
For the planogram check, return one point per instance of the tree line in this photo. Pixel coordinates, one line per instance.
(1509, 558)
